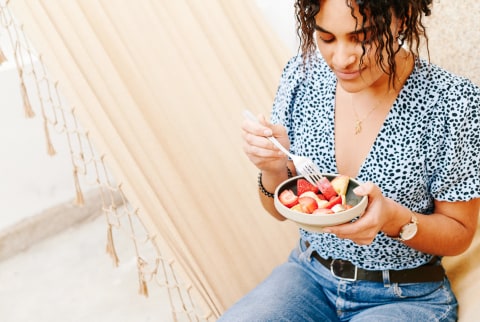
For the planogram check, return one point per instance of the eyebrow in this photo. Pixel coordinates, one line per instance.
(355, 32)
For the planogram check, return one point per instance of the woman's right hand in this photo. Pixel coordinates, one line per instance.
(259, 149)
(266, 156)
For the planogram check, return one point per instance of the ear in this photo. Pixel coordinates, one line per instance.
(399, 29)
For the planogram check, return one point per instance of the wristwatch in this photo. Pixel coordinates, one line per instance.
(409, 230)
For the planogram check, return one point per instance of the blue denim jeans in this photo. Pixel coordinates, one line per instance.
(302, 289)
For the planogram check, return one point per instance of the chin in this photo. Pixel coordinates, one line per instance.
(352, 87)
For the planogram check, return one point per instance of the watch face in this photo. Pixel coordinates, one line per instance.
(408, 231)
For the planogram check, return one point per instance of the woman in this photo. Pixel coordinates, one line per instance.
(365, 105)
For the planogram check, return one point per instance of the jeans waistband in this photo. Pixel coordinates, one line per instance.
(346, 270)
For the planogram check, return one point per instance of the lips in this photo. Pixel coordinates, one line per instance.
(347, 75)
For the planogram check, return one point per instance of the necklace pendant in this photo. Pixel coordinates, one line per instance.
(358, 126)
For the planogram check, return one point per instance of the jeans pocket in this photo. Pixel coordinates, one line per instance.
(417, 290)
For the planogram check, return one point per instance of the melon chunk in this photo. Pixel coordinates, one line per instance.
(340, 184)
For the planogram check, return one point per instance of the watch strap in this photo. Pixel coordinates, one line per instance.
(413, 221)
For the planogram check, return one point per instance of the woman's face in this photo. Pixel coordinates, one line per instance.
(341, 46)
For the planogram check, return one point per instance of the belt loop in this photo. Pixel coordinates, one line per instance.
(386, 278)
(307, 253)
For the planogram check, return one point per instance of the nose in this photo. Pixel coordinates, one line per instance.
(344, 56)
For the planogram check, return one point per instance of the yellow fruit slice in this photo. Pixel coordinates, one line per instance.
(298, 208)
(340, 184)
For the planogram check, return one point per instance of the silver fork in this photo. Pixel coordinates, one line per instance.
(303, 165)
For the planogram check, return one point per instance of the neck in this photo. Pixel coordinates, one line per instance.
(382, 87)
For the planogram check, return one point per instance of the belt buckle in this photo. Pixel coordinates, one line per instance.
(339, 267)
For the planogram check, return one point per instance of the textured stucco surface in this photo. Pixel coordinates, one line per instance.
(454, 32)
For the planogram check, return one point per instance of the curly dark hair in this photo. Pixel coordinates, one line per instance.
(377, 14)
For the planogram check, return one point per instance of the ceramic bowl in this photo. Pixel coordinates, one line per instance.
(315, 222)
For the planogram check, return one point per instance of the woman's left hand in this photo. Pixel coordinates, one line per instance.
(378, 216)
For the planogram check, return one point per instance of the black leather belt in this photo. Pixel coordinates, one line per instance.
(343, 269)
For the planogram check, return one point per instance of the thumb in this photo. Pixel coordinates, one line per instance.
(262, 120)
(278, 130)
(367, 188)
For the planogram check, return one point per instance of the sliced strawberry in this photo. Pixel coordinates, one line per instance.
(336, 200)
(312, 195)
(308, 204)
(326, 188)
(288, 198)
(321, 197)
(303, 185)
(322, 211)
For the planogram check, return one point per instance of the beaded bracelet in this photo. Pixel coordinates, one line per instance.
(262, 188)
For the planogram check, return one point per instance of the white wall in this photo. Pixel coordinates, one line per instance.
(30, 180)
(280, 15)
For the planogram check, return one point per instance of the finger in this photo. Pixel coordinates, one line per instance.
(262, 152)
(367, 189)
(259, 127)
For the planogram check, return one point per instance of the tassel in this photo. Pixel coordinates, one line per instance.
(50, 149)
(79, 201)
(143, 288)
(111, 247)
(3, 58)
(26, 102)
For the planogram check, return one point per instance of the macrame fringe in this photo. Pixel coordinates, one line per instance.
(3, 58)
(143, 288)
(111, 246)
(26, 101)
(50, 149)
(79, 201)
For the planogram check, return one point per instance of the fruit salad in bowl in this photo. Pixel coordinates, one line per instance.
(330, 202)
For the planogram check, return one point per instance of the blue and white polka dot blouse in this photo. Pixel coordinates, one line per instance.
(428, 148)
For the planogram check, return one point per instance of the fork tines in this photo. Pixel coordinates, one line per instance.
(311, 173)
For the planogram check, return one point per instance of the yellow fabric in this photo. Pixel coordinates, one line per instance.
(161, 86)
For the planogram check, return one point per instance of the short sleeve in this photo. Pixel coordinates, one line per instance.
(290, 80)
(457, 170)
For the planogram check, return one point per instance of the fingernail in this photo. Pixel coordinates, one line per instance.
(357, 190)
(267, 132)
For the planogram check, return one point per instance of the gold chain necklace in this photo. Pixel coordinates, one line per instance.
(358, 121)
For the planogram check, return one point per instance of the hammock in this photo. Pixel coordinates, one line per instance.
(149, 95)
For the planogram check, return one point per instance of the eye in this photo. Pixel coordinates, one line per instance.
(327, 41)
(360, 38)
(326, 38)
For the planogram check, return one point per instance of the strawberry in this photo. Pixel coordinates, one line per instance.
(288, 198)
(312, 195)
(321, 197)
(326, 188)
(336, 200)
(303, 185)
(308, 204)
(322, 211)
